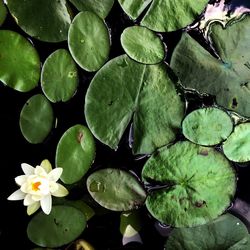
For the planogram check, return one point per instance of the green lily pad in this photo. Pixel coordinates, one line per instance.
(164, 15)
(207, 126)
(63, 225)
(45, 20)
(237, 146)
(3, 12)
(226, 232)
(227, 79)
(89, 34)
(130, 90)
(142, 45)
(75, 153)
(36, 119)
(101, 8)
(59, 77)
(18, 70)
(198, 184)
(116, 189)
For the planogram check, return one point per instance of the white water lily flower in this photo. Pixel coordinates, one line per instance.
(37, 186)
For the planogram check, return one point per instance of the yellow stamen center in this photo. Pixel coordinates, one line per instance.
(35, 186)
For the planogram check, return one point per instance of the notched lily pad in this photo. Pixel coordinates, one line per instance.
(116, 189)
(207, 126)
(142, 45)
(59, 77)
(237, 146)
(198, 184)
(227, 79)
(89, 35)
(19, 62)
(63, 225)
(164, 15)
(130, 90)
(36, 119)
(3, 12)
(45, 20)
(101, 8)
(75, 153)
(226, 232)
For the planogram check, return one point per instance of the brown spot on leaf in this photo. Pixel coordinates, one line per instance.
(203, 152)
(80, 137)
(200, 204)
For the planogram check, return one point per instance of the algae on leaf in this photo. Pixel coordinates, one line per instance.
(198, 184)
(124, 91)
(228, 78)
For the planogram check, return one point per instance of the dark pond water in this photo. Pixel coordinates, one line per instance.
(103, 231)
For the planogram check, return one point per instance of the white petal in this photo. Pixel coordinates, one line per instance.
(45, 164)
(46, 204)
(33, 208)
(55, 174)
(17, 195)
(27, 169)
(28, 200)
(36, 197)
(61, 191)
(40, 171)
(21, 179)
(25, 188)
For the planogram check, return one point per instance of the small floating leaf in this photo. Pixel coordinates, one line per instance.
(59, 76)
(45, 20)
(3, 12)
(142, 45)
(227, 79)
(164, 15)
(116, 189)
(207, 126)
(198, 184)
(75, 153)
(130, 90)
(36, 119)
(89, 35)
(226, 232)
(60, 227)
(19, 62)
(101, 8)
(237, 146)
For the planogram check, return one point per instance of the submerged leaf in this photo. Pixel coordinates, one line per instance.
(227, 79)
(63, 225)
(129, 90)
(89, 35)
(226, 232)
(45, 20)
(198, 184)
(142, 45)
(207, 126)
(237, 146)
(19, 62)
(116, 189)
(36, 119)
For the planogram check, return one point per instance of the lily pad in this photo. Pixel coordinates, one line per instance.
(226, 232)
(75, 153)
(101, 8)
(63, 225)
(19, 62)
(45, 20)
(130, 90)
(237, 146)
(142, 45)
(227, 79)
(207, 126)
(3, 12)
(89, 35)
(59, 77)
(198, 184)
(164, 15)
(116, 189)
(36, 119)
